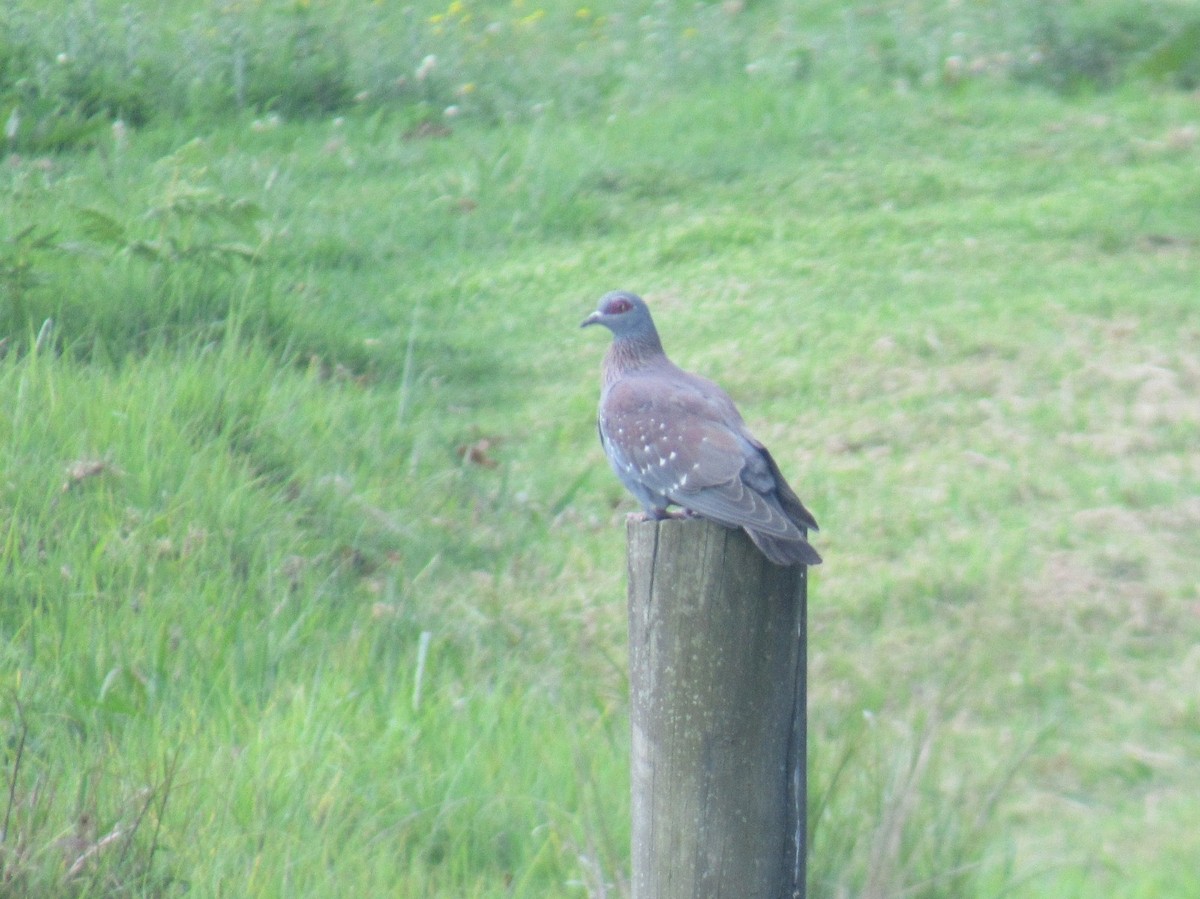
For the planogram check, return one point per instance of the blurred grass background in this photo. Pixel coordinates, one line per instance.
(293, 389)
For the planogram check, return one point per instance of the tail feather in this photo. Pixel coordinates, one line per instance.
(792, 507)
(785, 552)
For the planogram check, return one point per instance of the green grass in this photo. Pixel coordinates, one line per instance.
(284, 395)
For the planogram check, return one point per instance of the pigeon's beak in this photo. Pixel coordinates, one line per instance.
(592, 319)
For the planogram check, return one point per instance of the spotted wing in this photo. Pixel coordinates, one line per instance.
(685, 442)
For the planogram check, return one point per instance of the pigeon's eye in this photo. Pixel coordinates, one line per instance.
(617, 307)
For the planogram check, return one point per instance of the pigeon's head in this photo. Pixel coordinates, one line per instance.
(623, 313)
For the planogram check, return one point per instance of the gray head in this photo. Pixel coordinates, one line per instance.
(626, 315)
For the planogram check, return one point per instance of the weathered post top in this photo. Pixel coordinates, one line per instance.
(717, 681)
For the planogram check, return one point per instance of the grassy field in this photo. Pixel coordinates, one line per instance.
(311, 568)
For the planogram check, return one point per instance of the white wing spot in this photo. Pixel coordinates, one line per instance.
(683, 480)
(646, 448)
(662, 461)
(672, 456)
(696, 467)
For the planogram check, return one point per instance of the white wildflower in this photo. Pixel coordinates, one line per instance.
(425, 69)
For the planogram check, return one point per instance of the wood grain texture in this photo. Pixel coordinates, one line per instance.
(717, 682)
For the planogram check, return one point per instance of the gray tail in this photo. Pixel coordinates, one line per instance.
(785, 552)
(792, 507)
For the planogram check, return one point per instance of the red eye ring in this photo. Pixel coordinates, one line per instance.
(617, 307)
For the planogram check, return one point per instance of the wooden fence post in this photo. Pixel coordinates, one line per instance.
(717, 659)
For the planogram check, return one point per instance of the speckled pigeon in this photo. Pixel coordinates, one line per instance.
(674, 438)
